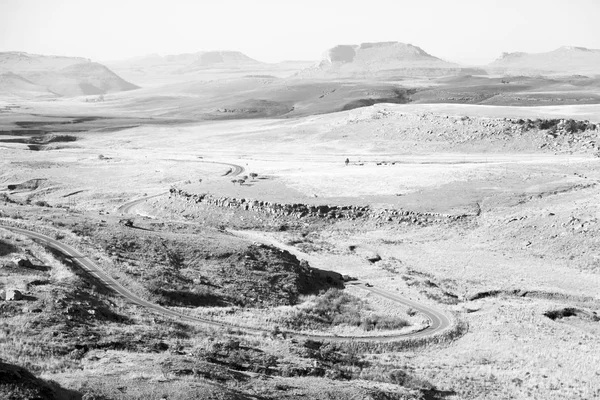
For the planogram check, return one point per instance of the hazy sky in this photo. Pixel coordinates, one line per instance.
(467, 31)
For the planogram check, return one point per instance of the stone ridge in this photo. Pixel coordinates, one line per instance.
(300, 211)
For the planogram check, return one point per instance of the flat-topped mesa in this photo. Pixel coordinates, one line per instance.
(382, 60)
(378, 52)
(36, 75)
(569, 60)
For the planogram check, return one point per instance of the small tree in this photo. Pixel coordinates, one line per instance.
(253, 175)
(234, 181)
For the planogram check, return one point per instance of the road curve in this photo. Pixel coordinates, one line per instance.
(126, 208)
(438, 321)
(235, 169)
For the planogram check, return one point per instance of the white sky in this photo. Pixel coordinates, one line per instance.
(465, 31)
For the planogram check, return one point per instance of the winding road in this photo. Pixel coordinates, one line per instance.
(94, 270)
(438, 321)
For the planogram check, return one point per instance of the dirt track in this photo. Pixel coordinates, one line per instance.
(126, 208)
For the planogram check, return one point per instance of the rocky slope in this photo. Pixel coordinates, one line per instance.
(384, 59)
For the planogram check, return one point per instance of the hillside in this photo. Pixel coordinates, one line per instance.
(18, 383)
(564, 60)
(99, 76)
(65, 76)
(14, 85)
(382, 60)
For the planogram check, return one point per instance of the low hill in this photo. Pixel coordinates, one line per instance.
(382, 60)
(65, 76)
(564, 60)
(98, 76)
(14, 85)
(63, 84)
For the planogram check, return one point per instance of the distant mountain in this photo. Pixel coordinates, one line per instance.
(21, 62)
(14, 85)
(221, 59)
(564, 61)
(186, 62)
(65, 76)
(156, 70)
(382, 60)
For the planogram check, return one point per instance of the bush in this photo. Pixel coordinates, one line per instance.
(336, 307)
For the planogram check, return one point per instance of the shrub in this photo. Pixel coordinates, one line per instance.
(336, 307)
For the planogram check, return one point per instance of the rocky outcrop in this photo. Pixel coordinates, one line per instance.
(306, 211)
(22, 262)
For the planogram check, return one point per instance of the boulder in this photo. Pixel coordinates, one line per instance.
(22, 262)
(372, 257)
(13, 295)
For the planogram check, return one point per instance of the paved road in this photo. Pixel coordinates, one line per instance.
(93, 269)
(438, 320)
